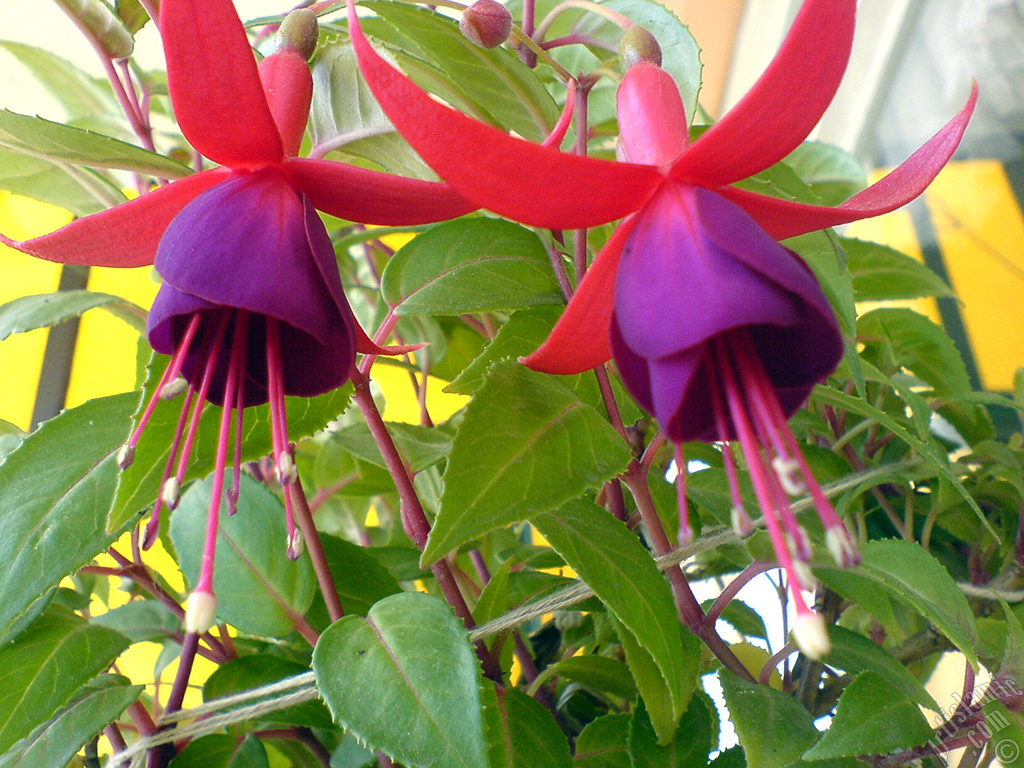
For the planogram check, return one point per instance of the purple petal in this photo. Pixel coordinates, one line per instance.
(253, 243)
(691, 270)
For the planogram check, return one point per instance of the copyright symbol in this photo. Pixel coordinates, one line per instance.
(1007, 751)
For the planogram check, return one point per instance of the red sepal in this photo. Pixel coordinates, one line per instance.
(526, 182)
(784, 218)
(784, 104)
(579, 340)
(372, 197)
(214, 84)
(125, 235)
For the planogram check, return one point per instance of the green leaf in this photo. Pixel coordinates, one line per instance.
(259, 669)
(613, 562)
(56, 741)
(1011, 666)
(80, 190)
(470, 265)
(597, 672)
(853, 653)
(773, 728)
(259, 589)
(405, 681)
(924, 348)
(492, 85)
(358, 576)
(141, 620)
(28, 313)
(345, 115)
(76, 91)
(903, 570)
(873, 717)
(420, 447)
(1007, 733)
(218, 750)
(45, 139)
(881, 273)
(139, 485)
(521, 733)
(520, 335)
(44, 667)
(832, 172)
(527, 444)
(926, 450)
(660, 696)
(602, 743)
(57, 488)
(689, 747)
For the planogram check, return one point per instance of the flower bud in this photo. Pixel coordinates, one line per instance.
(299, 32)
(636, 45)
(200, 612)
(487, 23)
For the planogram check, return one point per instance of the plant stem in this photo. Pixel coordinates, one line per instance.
(304, 518)
(414, 519)
(689, 609)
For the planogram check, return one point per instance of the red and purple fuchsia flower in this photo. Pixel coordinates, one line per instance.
(717, 330)
(251, 308)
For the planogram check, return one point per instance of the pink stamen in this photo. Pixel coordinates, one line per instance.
(766, 398)
(171, 372)
(153, 528)
(211, 353)
(205, 583)
(279, 426)
(758, 471)
(742, 520)
(685, 529)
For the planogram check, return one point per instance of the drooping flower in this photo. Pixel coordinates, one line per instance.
(252, 307)
(717, 329)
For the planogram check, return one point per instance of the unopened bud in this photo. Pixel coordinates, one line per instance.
(296, 545)
(299, 32)
(810, 635)
(636, 45)
(788, 472)
(487, 23)
(838, 542)
(126, 455)
(285, 468)
(171, 493)
(200, 612)
(173, 388)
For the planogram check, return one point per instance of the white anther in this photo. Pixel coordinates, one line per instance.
(126, 456)
(173, 388)
(788, 472)
(811, 636)
(200, 612)
(285, 468)
(171, 493)
(741, 523)
(839, 545)
(296, 544)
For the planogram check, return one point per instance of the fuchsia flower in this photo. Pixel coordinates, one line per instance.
(716, 329)
(252, 307)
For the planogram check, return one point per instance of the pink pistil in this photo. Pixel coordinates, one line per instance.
(283, 461)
